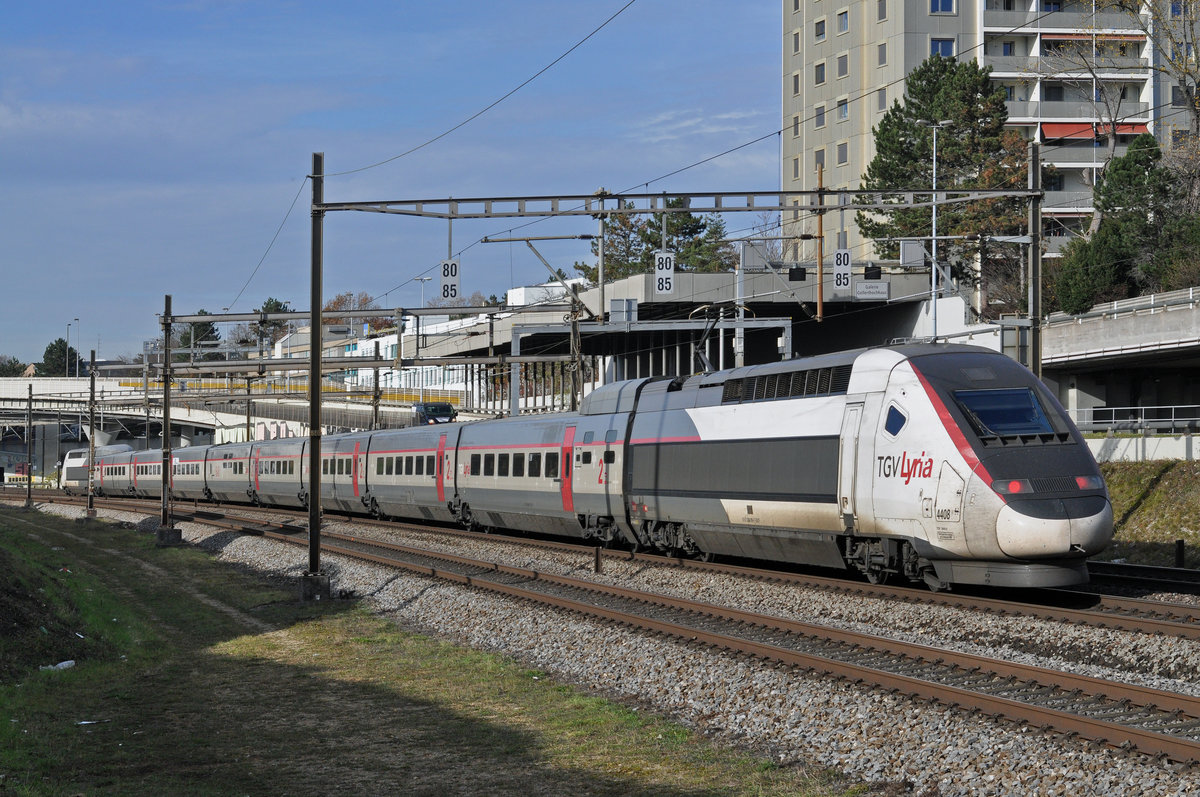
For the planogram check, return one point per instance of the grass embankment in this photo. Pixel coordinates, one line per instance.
(193, 677)
(1154, 504)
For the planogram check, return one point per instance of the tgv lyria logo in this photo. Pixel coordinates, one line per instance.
(905, 467)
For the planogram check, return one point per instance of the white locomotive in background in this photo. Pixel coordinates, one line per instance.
(937, 463)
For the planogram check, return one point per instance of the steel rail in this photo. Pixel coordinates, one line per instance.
(1037, 679)
(1100, 730)
(1110, 612)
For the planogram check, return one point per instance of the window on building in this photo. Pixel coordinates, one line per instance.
(795, 6)
(941, 6)
(843, 153)
(1052, 181)
(796, 168)
(843, 110)
(1008, 48)
(795, 125)
(819, 116)
(1051, 5)
(819, 159)
(843, 64)
(1178, 100)
(942, 47)
(881, 10)
(819, 30)
(882, 50)
(1010, 93)
(843, 21)
(796, 42)
(881, 100)
(796, 83)
(819, 73)
(1052, 93)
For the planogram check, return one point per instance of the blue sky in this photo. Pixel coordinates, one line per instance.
(152, 148)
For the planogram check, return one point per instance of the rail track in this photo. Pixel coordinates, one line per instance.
(1146, 578)
(1154, 722)
(1089, 609)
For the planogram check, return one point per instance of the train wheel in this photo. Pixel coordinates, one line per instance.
(876, 576)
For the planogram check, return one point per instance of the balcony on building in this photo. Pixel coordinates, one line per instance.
(1001, 16)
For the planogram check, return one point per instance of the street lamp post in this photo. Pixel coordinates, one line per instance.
(67, 353)
(933, 282)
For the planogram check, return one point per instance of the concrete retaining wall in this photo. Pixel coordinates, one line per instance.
(1146, 447)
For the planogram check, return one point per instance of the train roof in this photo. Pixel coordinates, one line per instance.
(833, 373)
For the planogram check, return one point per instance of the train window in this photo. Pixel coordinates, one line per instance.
(430, 463)
(324, 467)
(408, 466)
(489, 464)
(732, 391)
(379, 466)
(420, 464)
(610, 457)
(610, 436)
(476, 464)
(588, 437)
(535, 465)
(551, 465)
(895, 421)
(518, 468)
(587, 457)
(1004, 411)
(502, 465)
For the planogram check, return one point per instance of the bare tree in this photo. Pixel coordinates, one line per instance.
(1082, 65)
(1173, 30)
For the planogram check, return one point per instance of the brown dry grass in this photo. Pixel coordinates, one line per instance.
(269, 696)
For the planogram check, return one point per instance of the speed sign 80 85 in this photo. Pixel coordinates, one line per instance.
(664, 273)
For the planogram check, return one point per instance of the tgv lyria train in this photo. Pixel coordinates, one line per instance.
(937, 463)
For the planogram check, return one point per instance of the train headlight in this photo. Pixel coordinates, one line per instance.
(1012, 486)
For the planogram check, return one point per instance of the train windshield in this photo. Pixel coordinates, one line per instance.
(1004, 411)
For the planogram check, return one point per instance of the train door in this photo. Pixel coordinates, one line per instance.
(848, 464)
(947, 507)
(443, 469)
(566, 471)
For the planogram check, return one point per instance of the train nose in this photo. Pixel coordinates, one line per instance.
(1052, 527)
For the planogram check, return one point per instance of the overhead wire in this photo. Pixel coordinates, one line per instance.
(438, 137)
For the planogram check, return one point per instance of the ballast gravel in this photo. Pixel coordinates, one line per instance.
(788, 714)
